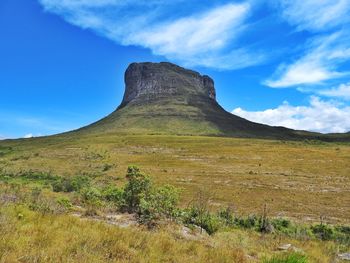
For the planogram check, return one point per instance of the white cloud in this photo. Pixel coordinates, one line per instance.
(29, 135)
(323, 56)
(2, 137)
(191, 35)
(315, 15)
(319, 116)
(195, 34)
(301, 72)
(342, 91)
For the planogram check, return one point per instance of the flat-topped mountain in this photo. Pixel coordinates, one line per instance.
(149, 81)
(163, 98)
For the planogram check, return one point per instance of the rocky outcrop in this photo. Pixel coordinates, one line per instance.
(149, 81)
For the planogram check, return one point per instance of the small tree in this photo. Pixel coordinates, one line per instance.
(137, 187)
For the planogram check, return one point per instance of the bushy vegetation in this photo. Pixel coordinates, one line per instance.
(154, 205)
(114, 195)
(70, 184)
(159, 204)
(289, 258)
(137, 188)
(30, 175)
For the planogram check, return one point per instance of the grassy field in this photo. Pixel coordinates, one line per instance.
(34, 237)
(304, 181)
(301, 180)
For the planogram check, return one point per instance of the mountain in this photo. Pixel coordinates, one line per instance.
(163, 98)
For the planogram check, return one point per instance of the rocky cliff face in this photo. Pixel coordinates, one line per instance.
(149, 81)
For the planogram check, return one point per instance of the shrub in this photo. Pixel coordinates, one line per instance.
(57, 186)
(205, 220)
(91, 195)
(290, 258)
(115, 195)
(137, 187)
(75, 183)
(212, 224)
(227, 216)
(159, 203)
(281, 224)
(265, 225)
(92, 198)
(249, 222)
(64, 202)
(342, 234)
(323, 231)
(43, 206)
(106, 167)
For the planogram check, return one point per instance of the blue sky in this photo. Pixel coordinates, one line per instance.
(280, 62)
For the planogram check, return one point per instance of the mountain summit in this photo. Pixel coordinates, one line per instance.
(163, 98)
(146, 82)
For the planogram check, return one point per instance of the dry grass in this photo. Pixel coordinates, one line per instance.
(37, 238)
(27, 236)
(295, 179)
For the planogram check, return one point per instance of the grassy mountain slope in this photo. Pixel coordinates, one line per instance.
(162, 98)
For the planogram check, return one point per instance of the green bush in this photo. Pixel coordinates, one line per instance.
(137, 187)
(342, 234)
(290, 258)
(159, 203)
(204, 219)
(42, 206)
(64, 202)
(227, 216)
(249, 222)
(91, 195)
(75, 183)
(282, 225)
(92, 198)
(115, 195)
(323, 231)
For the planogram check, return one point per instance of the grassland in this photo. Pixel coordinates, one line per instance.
(305, 181)
(302, 180)
(34, 237)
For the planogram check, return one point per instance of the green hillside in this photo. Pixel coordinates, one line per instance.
(162, 98)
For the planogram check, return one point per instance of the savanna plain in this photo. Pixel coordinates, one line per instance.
(65, 199)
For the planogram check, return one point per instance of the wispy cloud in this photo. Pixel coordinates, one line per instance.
(329, 47)
(315, 15)
(323, 56)
(23, 126)
(319, 116)
(342, 92)
(179, 30)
